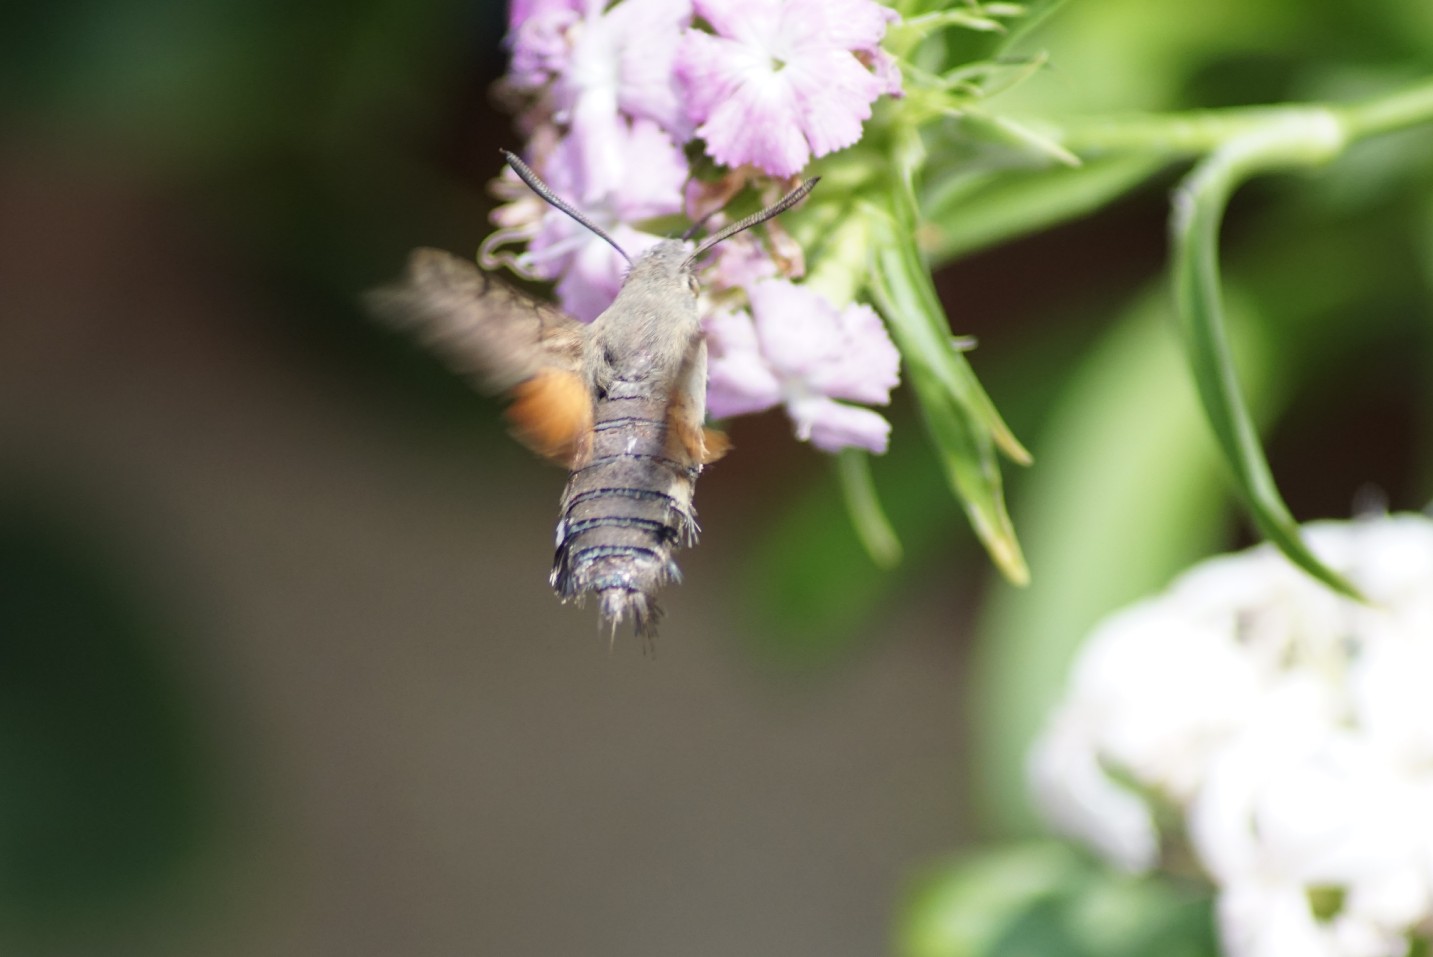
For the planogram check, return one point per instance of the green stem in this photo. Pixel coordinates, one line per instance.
(1200, 132)
(1396, 111)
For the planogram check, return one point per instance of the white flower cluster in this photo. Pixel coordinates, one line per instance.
(1280, 733)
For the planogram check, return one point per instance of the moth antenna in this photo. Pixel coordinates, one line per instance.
(755, 219)
(526, 174)
(692, 229)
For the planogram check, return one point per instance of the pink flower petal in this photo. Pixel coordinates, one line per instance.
(759, 125)
(849, 24)
(746, 113)
(833, 426)
(611, 68)
(647, 88)
(740, 262)
(591, 280)
(743, 20)
(844, 354)
(650, 183)
(866, 366)
(739, 381)
(794, 324)
(594, 155)
(539, 40)
(782, 82)
(834, 93)
(654, 178)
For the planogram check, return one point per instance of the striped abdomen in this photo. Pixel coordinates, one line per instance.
(624, 512)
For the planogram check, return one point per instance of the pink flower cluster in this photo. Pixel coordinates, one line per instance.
(617, 90)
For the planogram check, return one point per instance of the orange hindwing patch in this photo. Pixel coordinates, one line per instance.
(551, 413)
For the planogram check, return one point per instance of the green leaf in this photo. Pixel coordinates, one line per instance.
(964, 910)
(960, 418)
(853, 468)
(1049, 899)
(1300, 138)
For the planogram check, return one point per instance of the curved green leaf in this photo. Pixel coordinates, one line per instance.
(1301, 137)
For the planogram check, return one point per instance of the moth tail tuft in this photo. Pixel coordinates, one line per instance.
(619, 603)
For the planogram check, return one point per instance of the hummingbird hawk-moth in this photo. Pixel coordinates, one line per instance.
(621, 402)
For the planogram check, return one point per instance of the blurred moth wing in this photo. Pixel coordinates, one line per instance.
(503, 341)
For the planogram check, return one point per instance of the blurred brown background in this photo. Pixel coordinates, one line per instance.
(281, 671)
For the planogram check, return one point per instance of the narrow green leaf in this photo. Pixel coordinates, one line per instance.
(1199, 208)
(959, 416)
(1024, 134)
(901, 269)
(853, 468)
(1035, 13)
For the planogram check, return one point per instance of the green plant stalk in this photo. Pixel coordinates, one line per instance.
(1196, 133)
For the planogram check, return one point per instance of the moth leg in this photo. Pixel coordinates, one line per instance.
(688, 441)
(551, 413)
(715, 445)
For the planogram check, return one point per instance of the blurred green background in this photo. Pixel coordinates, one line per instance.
(279, 668)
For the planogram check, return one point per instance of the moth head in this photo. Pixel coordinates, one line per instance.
(669, 258)
(668, 262)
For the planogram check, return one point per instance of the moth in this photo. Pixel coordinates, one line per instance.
(621, 402)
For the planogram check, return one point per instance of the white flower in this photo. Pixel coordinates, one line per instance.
(1322, 811)
(1157, 693)
(1270, 920)
(1290, 730)
(1077, 795)
(1390, 686)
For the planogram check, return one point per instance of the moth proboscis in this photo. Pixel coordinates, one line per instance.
(620, 403)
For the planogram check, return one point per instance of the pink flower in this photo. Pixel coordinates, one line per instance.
(538, 33)
(739, 262)
(784, 80)
(801, 351)
(521, 11)
(650, 184)
(606, 67)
